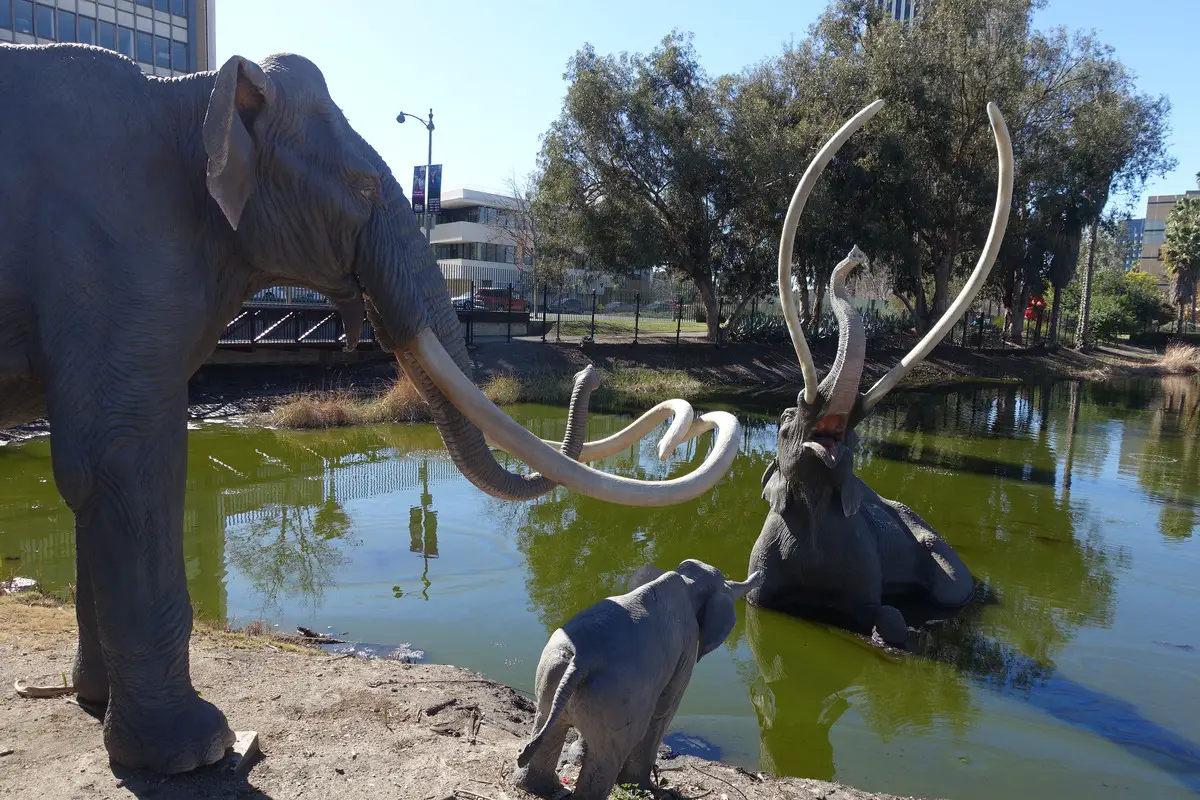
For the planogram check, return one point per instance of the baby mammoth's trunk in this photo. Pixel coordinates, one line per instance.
(571, 678)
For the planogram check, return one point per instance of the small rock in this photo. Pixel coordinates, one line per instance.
(339, 770)
(353, 756)
(7, 751)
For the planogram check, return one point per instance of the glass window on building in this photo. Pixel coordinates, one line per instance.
(146, 3)
(44, 21)
(179, 56)
(179, 7)
(106, 35)
(66, 26)
(87, 30)
(125, 41)
(145, 47)
(23, 16)
(6, 14)
(162, 5)
(162, 52)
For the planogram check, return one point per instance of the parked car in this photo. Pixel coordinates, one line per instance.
(570, 305)
(265, 296)
(617, 307)
(462, 302)
(495, 298)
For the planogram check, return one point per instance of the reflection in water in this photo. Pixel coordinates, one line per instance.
(1074, 506)
(422, 530)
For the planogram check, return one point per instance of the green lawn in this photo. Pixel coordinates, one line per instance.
(624, 327)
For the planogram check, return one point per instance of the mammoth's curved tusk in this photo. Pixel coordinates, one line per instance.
(504, 430)
(683, 428)
(986, 260)
(787, 238)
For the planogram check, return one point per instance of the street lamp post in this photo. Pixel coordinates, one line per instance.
(428, 163)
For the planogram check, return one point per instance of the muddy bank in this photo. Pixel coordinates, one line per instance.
(328, 727)
(223, 391)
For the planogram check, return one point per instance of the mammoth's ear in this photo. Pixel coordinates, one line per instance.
(775, 488)
(239, 94)
(644, 575)
(717, 618)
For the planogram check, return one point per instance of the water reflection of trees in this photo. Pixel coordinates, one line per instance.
(1165, 457)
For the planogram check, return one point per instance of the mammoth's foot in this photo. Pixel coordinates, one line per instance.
(537, 782)
(891, 627)
(167, 741)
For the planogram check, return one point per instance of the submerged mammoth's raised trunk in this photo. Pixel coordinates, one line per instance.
(410, 308)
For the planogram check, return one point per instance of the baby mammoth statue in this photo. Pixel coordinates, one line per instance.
(616, 672)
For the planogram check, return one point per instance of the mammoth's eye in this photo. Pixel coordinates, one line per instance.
(368, 186)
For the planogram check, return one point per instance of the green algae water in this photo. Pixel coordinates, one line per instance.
(1075, 673)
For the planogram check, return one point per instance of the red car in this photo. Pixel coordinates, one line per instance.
(496, 299)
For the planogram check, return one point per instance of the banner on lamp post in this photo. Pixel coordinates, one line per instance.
(418, 192)
(434, 198)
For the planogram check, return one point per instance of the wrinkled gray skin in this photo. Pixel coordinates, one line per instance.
(616, 672)
(136, 215)
(829, 543)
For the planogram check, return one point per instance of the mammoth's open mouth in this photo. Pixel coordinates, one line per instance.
(827, 438)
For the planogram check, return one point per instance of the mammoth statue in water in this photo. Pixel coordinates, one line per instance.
(137, 215)
(830, 544)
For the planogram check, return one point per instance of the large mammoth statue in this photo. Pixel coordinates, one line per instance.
(829, 543)
(138, 214)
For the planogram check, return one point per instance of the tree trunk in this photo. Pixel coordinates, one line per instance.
(1055, 315)
(805, 306)
(814, 323)
(1020, 301)
(941, 284)
(1083, 334)
(711, 317)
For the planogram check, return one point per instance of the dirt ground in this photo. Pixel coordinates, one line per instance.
(328, 726)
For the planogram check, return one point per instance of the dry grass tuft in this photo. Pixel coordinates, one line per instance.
(620, 388)
(399, 404)
(1180, 359)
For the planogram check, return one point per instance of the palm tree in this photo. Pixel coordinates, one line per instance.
(1180, 252)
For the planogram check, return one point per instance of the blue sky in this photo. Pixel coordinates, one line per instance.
(492, 71)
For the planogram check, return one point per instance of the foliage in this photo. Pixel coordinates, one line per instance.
(1123, 303)
(1181, 253)
(654, 164)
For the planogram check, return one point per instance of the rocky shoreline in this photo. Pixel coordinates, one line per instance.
(328, 726)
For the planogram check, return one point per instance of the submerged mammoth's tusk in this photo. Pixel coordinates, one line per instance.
(786, 240)
(986, 260)
(683, 428)
(507, 434)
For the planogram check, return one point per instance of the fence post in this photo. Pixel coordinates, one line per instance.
(982, 316)
(508, 333)
(558, 321)
(545, 302)
(637, 314)
(471, 315)
(593, 334)
(679, 321)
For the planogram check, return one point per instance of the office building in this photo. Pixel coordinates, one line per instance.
(168, 38)
(1157, 209)
(472, 239)
(1129, 237)
(900, 10)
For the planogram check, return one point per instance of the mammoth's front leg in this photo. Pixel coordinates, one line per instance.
(119, 451)
(637, 768)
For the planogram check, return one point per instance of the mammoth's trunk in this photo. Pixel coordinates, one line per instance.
(841, 383)
(407, 292)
